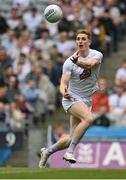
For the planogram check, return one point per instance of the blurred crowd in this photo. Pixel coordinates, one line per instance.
(32, 53)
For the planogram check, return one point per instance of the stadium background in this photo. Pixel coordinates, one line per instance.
(32, 53)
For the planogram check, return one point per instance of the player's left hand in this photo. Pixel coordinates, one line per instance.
(75, 57)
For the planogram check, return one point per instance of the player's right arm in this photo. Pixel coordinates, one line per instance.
(64, 84)
(67, 68)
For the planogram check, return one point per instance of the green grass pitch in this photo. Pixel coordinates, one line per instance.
(48, 173)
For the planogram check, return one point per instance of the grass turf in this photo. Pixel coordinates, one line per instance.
(29, 173)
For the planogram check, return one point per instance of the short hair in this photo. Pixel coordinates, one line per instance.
(84, 31)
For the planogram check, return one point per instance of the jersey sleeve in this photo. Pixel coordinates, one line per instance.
(98, 56)
(67, 67)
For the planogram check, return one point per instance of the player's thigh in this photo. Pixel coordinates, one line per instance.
(81, 111)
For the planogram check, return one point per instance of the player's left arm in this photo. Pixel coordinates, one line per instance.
(89, 63)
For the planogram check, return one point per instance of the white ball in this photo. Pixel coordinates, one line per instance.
(53, 13)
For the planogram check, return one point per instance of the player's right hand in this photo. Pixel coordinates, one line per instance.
(66, 94)
(75, 57)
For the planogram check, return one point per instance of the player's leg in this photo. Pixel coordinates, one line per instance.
(78, 122)
(62, 143)
(80, 111)
(74, 121)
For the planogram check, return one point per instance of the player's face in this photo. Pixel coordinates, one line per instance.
(82, 41)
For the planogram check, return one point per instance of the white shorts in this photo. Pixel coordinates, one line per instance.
(66, 103)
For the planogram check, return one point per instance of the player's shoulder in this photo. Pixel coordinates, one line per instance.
(95, 52)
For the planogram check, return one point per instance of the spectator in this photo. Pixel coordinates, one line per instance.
(5, 60)
(48, 92)
(26, 42)
(78, 17)
(17, 117)
(98, 35)
(36, 75)
(47, 89)
(31, 92)
(55, 132)
(123, 82)
(23, 105)
(100, 104)
(45, 42)
(3, 95)
(9, 43)
(100, 99)
(8, 72)
(98, 8)
(22, 66)
(20, 28)
(121, 72)
(38, 57)
(107, 22)
(3, 24)
(16, 52)
(32, 19)
(50, 72)
(66, 4)
(55, 70)
(117, 103)
(13, 89)
(65, 25)
(65, 45)
(116, 18)
(13, 21)
(42, 27)
(26, 110)
(21, 4)
(4, 116)
(53, 53)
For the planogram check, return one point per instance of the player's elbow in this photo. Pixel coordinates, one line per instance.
(95, 62)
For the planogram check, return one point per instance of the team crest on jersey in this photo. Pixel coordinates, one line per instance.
(85, 74)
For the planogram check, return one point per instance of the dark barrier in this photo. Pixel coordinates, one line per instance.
(11, 138)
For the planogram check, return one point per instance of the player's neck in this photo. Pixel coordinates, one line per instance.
(84, 52)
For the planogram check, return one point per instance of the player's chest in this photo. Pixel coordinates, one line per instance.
(81, 73)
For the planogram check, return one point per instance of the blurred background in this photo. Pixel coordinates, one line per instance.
(32, 53)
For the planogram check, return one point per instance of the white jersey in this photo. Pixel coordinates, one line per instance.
(83, 82)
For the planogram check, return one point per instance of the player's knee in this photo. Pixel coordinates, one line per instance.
(89, 120)
(67, 139)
